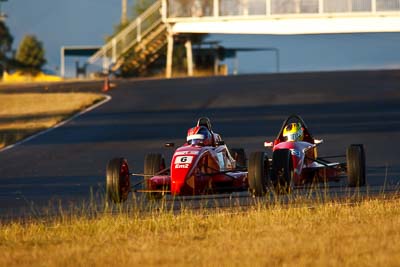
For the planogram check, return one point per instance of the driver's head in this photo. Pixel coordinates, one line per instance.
(199, 136)
(293, 132)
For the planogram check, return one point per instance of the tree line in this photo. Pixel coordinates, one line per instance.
(29, 57)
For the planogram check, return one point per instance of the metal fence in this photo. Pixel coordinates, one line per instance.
(131, 35)
(217, 8)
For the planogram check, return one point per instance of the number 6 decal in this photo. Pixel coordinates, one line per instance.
(183, 159)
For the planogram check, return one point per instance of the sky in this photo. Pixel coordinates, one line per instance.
(60, 23)
(87, 22)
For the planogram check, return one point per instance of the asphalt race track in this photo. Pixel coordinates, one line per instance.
(67, 165)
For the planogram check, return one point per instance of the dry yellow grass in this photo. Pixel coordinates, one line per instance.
(22, 115)
(366, 234)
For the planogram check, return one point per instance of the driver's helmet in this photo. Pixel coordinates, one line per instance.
(199, 136)
(293, 132)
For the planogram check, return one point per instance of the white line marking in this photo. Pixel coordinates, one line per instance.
(108, 98)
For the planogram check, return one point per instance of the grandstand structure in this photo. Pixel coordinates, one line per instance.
(146, 37)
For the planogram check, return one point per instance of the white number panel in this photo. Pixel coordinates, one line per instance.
(183, 159)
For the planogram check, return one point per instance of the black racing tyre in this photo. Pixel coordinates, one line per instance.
(153, 164)
(355, 156)
(258, 173)
(240, 156)
(118, 183)
(282, 171)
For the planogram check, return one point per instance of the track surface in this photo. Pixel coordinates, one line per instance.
(69, 162)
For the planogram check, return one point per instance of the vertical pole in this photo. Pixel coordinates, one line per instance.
(170, 51)
(62, 63)
(236, 65)
(164, 10)
(106, 64)
(216, 64)
(189, 57)
(124, 12)
(373, 6)
(297, 8)
(114, 50)
(216, 8)
(268, 7)
(320, 6)
(245, 6)
(139, 30)
(349, 6)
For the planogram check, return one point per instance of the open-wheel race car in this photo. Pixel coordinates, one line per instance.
(295, 162)
(203, 165)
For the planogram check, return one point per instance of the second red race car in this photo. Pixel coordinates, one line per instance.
(295, 162)
(203, 165)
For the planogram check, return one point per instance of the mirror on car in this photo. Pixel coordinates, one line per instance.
(169, 145)
(220, 142)
(318, 141)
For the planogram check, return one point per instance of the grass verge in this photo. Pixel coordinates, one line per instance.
(363, 234)
(22, 115)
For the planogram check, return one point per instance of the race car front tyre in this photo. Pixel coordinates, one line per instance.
(118, 183)
(282, 171)
(258, 173)
(355, 156)
(153, 164)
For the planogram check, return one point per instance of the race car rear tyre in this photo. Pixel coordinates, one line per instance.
(240, 156)
(282, 171)
(258, 173)
(355, 156)
(118, 183)
(153, 164)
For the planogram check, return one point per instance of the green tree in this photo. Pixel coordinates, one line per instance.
(31, 54)
(5, 41)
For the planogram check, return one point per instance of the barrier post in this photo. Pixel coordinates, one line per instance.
(268, 7)
(139, 30)
(170, 50)
(164, 10)
(189, 57)
(321, 6)
(62, 63)
(216, 8)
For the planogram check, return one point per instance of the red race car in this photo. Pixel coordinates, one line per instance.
(203, 165)
(295, 162)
